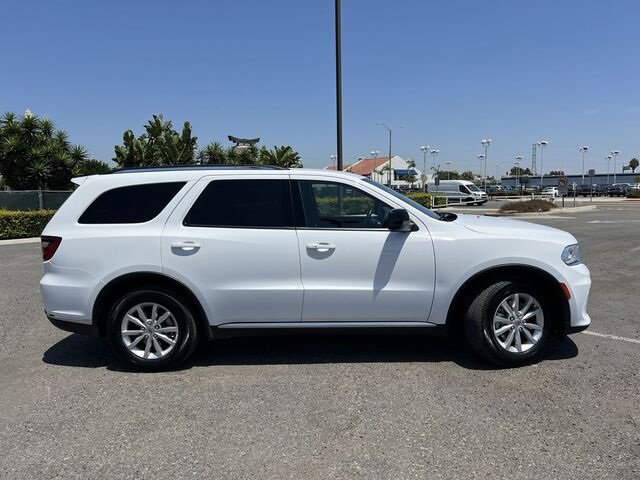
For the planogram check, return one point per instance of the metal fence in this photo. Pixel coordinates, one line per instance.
(33, 199)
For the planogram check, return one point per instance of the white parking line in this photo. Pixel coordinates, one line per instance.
(613, 337)
(635, 249)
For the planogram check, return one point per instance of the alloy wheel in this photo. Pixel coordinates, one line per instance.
(149, 331)
(518, 323)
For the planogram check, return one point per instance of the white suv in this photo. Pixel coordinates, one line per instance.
(158, 259)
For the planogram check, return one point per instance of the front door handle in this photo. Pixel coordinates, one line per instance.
(187, 246)
(321, 246)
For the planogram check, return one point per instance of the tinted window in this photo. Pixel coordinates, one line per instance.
(243, 203)
(132, 204)
(337, 205)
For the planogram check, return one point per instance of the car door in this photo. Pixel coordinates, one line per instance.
(353, 268)
(232, 241)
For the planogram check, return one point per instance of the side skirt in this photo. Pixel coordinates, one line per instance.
(327, 328)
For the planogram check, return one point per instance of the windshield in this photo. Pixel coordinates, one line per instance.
(404, 199)
(473, 188)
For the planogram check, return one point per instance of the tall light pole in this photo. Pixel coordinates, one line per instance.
(608, 159)
(374, 155)
(435, 153)
(583, 149)
(338, 28)
(333, 160)
(485, 143)
(517, 165)
(614, 153)
(448, 164)
(481, 157)
(542, 144)
(390, 135)
(425, 149)
(496, 176)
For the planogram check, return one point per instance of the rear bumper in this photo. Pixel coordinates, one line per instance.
(67, 292)
(74, 327)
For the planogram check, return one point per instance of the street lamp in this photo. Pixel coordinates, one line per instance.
(496, 176)
(608, 159)
(542, 144)
(374, 153)
(583, 149)
(517, 165)
(390, 135)
(481, 157)
(485, 143)
(615, 156)
(435, 153)
(333, 160)
(425, 149)
(448, 162)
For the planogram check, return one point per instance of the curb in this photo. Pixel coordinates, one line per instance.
(554, 211)
(20, 241)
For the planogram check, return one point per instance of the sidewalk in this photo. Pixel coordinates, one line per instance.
(19, 241)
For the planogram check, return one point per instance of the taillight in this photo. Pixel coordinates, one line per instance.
(49, 246)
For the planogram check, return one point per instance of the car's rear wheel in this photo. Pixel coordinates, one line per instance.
(152, 329)
(506, 323)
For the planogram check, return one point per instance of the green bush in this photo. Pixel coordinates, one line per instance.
(527, 206)
(425, 199)
(23, 224)
(328, 206)
(633, 193)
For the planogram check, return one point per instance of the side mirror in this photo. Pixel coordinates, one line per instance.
(398, 221)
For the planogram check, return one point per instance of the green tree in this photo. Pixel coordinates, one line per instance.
(556, 173)
(468, 175)
(633, 163)
(285, 157)
(33, 154)
(520, 171)
(213, 154)
(91, 167)
(160, 144)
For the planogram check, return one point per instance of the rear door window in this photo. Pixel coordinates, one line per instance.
(130, 204)
(243, 204)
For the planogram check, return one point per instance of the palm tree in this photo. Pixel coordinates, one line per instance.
(283, 156)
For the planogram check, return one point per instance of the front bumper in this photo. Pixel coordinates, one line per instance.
(579, 283)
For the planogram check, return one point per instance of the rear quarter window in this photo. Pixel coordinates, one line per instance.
(130, 204)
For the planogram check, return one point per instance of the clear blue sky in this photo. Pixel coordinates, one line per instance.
(450, 71)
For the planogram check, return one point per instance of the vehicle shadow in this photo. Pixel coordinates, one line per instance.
(88, 352)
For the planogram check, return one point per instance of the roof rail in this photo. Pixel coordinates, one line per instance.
(170, 168)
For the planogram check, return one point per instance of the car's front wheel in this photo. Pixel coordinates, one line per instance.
(152, 329)
(506, 323)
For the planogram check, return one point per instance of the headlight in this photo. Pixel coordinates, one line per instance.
(571, 255)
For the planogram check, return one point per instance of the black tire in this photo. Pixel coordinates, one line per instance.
(479, 330)
(186, 337)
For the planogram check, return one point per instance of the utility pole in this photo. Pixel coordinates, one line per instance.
(425, 149)
(338, 28)
(583, 149)
(485, 143)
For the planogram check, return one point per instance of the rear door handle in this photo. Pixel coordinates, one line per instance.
(187, 245)
(321, 246)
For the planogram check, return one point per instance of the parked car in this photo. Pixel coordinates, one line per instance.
(587, 189)
(463, 191)
(156, 260)
(550, 191)
(618, 190)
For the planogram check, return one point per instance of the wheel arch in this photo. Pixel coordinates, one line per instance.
(478, 281)
(119, 285)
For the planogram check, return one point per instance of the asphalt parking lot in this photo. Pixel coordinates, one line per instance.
(392, 407)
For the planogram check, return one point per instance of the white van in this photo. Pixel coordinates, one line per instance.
(462, 191)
